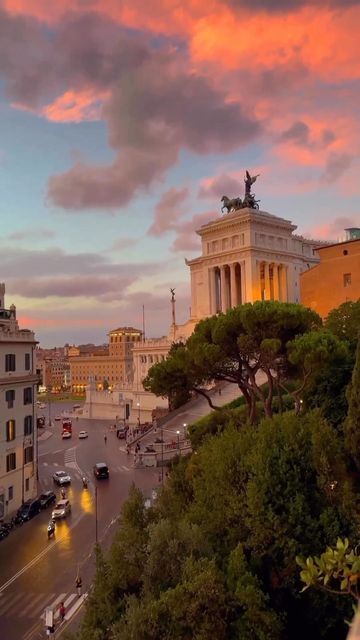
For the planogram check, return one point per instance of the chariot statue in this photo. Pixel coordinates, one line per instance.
(249, 201)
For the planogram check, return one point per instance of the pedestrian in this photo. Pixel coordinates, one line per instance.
(63, 494)
(219, 391)
(62, 611)
(127, 449)
(105, 438)
(78, 584)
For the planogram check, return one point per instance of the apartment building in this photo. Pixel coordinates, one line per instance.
(18, 383)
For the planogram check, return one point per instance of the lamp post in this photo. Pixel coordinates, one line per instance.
(178, 441)
(162, 456)
(96, 516)
(185, 430)
(138, 406)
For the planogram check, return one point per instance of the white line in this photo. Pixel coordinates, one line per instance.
(40, 555)
(10, 604)
(76, 606)
(126, 468)
(54, 604)
(31, 606)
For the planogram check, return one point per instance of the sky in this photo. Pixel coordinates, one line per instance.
(123, 122)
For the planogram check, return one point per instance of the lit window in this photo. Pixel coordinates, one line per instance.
(10, 430)
(347, 279)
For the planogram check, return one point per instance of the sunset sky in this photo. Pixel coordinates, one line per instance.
(123, 122)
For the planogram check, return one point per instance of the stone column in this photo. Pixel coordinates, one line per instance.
(283, 283)
(276, 281)
(233, 288)
(243, 297)
(223, 296)
(266, 281)
(212, 289)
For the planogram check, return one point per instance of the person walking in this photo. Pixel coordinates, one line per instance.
(78, 584)
(62, 611)
(105, 438)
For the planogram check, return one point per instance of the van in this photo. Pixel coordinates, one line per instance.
(101, 470)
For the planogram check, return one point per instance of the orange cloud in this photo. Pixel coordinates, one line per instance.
(75, 106)
(325, 41)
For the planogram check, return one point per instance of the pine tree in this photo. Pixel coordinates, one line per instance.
(352, 422)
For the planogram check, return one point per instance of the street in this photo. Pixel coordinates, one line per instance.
(36, 572)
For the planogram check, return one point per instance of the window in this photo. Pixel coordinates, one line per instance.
(28, 426)
(10, 430)
(347, 279)
(10, 462)
(10, 363)
(345, 252)
(27, 361)
(28, 395)
(10, 397)
(10, 493)
(27, 484)
(28, 455)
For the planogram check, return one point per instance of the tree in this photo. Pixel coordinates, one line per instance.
(236, 347)
(105, 385)
(344, 322)
(352, 422)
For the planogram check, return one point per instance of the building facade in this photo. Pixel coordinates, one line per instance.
(18, 384)
(114, 365)
(246, 256)
(336, 279)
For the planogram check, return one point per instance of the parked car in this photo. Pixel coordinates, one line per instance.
(66, 435)
(61, 477)
(46, 499)
(28, 510)
(83, 434)
(61, 510)
(101, 470)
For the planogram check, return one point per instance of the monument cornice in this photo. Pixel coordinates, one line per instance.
(240, 253)
(245, 217)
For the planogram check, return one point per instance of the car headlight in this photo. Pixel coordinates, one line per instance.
(62, 513)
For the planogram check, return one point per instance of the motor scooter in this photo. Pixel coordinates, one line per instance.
(51, 529)
(85, 482)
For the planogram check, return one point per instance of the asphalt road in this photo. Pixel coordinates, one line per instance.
(36, 572)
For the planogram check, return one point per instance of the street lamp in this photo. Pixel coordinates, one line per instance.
(178, 440)
(185, 430)
(138, 406)
(96, 516)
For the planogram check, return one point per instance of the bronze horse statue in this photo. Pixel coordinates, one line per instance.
(231, 205)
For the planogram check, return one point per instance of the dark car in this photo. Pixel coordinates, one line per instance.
(28, 510)
(46, 499)
(101, 470)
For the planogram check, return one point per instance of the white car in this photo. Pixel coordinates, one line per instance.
(65, 435)
(61, 510)
(83, 434)
(61, 477)
(57, 418)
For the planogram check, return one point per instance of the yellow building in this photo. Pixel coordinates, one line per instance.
(115, 365)
(336, 279)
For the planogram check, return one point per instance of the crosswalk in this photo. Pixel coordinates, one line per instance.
(32, 604)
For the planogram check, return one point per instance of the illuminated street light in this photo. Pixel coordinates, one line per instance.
(178, 440)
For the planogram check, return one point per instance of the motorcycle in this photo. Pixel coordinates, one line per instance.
(85, 482)
(51, 529)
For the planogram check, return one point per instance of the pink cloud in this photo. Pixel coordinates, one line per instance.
(168, 210)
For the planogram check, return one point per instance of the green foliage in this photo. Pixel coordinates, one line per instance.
(352, 422)
(344, 322)
(215, 423)
(235, 347)
(215, 556)
(105, 385)
(337, 570)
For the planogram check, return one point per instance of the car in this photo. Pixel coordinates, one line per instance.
(101, 470)
(28, 510)
(42, 405)
(47, 498)
(61, 477)
(61, 510)
(57, 418)
(65, 435)
(83, 434)
(121, 433)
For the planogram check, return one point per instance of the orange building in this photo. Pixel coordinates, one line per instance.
(336, 279)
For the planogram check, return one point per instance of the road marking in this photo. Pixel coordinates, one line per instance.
(53, 604)
(31, 606)
(45, 464)
(67, 602)
(40, 555)
(126, 468)
(75, 607)
(11, 603)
